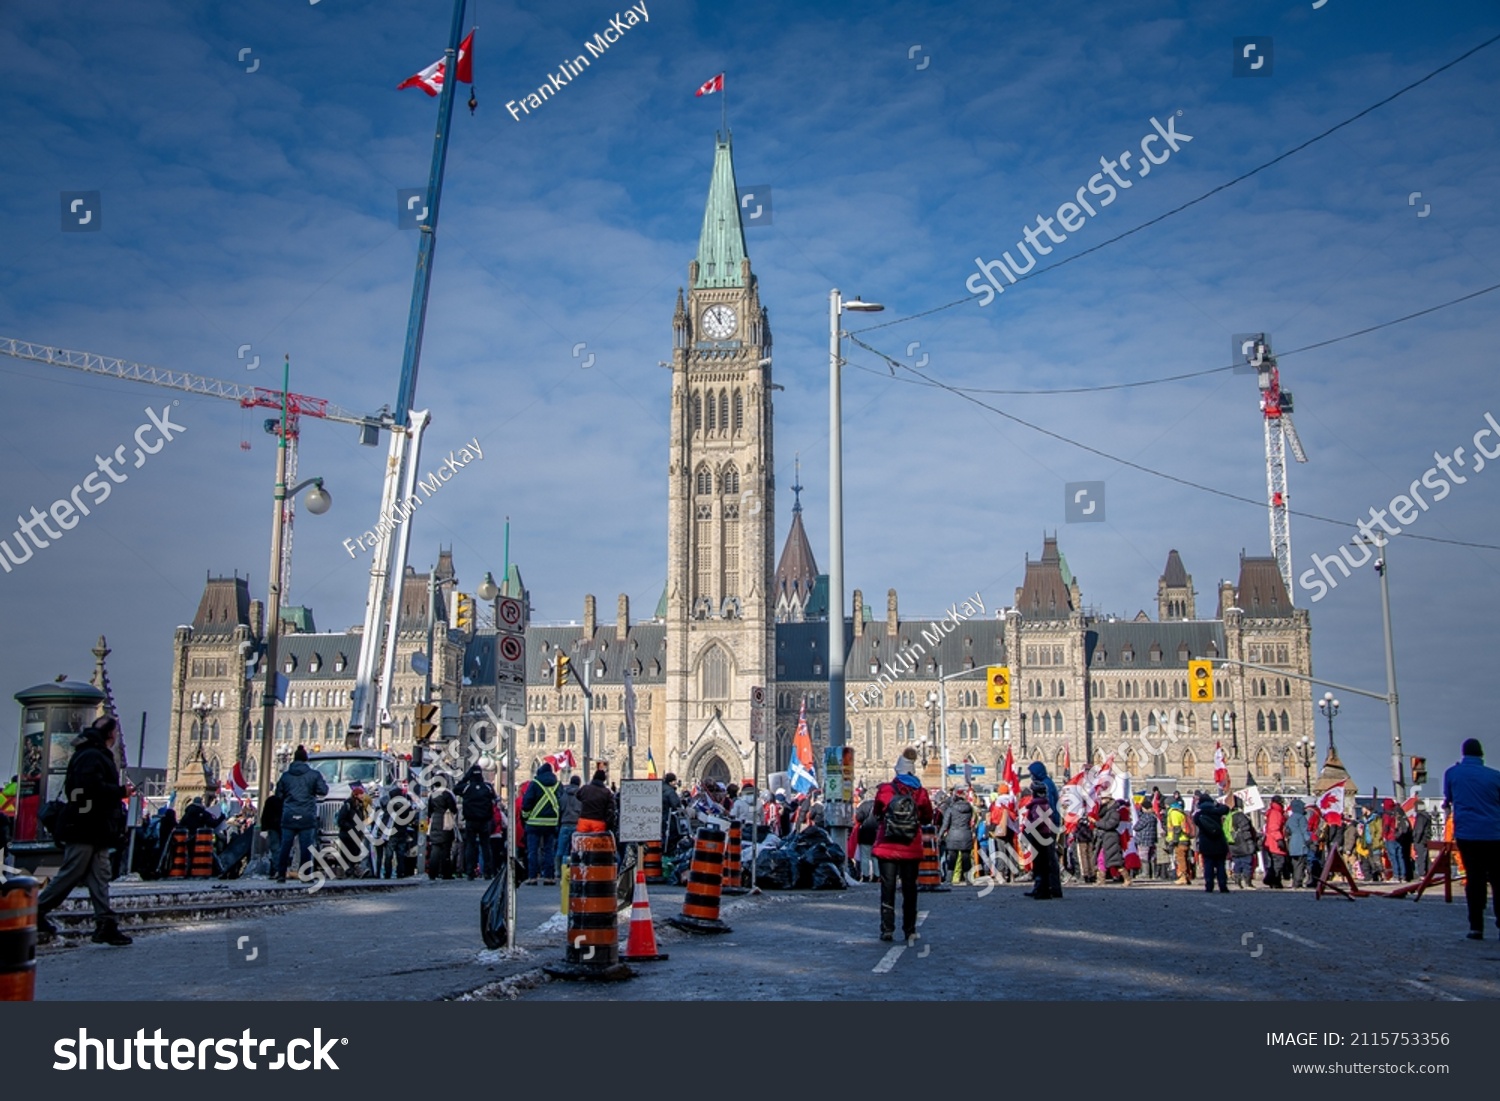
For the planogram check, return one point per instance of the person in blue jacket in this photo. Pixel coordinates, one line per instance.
(1471, 792)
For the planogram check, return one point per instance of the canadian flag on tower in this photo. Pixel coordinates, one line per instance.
(430, 79)
(716, 84)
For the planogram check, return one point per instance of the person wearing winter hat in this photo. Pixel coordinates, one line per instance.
(1043, 829)
(902, 807)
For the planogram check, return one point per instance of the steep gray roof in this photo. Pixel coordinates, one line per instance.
(644, 653)
(799, 645)
(1175, 575)
(1203, 638)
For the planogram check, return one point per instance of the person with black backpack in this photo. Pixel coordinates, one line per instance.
(902, 808)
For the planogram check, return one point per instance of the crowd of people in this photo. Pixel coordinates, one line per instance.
(1109, 836)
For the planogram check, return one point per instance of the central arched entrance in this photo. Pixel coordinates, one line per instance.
(715, 771)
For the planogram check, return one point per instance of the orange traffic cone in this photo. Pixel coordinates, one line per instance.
(642, 943)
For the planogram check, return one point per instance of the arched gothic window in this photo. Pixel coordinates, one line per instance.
(713, 675)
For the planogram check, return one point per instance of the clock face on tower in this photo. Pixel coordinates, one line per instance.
(719, 321)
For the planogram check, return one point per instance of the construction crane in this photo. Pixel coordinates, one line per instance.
(248, 397)
(1281, 436)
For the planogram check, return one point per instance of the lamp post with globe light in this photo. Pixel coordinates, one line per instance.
(318, 502)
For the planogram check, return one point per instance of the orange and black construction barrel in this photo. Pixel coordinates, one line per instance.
(17, 939)
(179, 843)
(734, 877)
(593, 948)
(201, 861)
(651, 862)
(930, 871)
(700, 906)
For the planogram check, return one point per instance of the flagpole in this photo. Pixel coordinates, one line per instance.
(724, 104)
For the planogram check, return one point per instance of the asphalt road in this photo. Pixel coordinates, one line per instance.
(1140, 942)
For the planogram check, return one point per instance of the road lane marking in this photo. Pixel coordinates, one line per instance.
(1428, 988)
(1293, 936)
(888, 961)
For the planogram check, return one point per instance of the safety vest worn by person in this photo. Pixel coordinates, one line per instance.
(8, 799)
(547, 811)
(1177, 826)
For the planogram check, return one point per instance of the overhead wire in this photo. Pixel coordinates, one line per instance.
(1141, 467)
(1207, 194)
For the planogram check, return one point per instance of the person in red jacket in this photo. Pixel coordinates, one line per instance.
(902, 807)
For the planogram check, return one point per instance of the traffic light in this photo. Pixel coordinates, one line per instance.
(997, 683)
(427, 721)
(463, 611)
(1419, 770)
(560, 671)
(1201, 681)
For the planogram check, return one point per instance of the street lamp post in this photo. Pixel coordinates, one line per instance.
(1330, 707)
(318, 502)
(203, 711)
(836, 307)
(1306, 751)
(1398, 763)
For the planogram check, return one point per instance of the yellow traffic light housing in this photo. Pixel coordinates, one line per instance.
(560, 671)
(997, 687)
(463, 611)
(1201, 681)
(427, 721)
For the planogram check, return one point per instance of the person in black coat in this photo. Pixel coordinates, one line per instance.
(1421, 833)
(92, 824)
(270, 826)
(478, 796)
(1107, 836)
(1213, 846)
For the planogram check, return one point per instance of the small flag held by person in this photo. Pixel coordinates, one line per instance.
(800, 767)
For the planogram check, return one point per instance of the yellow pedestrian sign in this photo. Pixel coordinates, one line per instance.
(1201, 681)
(997, 681)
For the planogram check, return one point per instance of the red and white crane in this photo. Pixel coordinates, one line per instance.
(1281, 436)
(248, 397)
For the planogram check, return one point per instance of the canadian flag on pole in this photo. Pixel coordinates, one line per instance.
(563, 758)
(1221, 768)
(237, 782)
(1009, 773)
(430, 79)
(714, 85)
(1331, 805)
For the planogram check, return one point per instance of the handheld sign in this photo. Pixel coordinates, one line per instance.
(640, 810)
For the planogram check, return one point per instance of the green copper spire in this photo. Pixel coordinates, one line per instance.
(721, 246)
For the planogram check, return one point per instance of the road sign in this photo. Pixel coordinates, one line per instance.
(640, 810)
(509, 614)
(510, 671)
(997, 687)
(758, 713)
(512, 695)
(974, 770)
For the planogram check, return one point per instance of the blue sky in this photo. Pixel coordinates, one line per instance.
(249, 198)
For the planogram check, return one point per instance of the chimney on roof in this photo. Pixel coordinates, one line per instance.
(588, 616)
(859, 614)
(622, 618)
(257, 619)
(891, 620)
